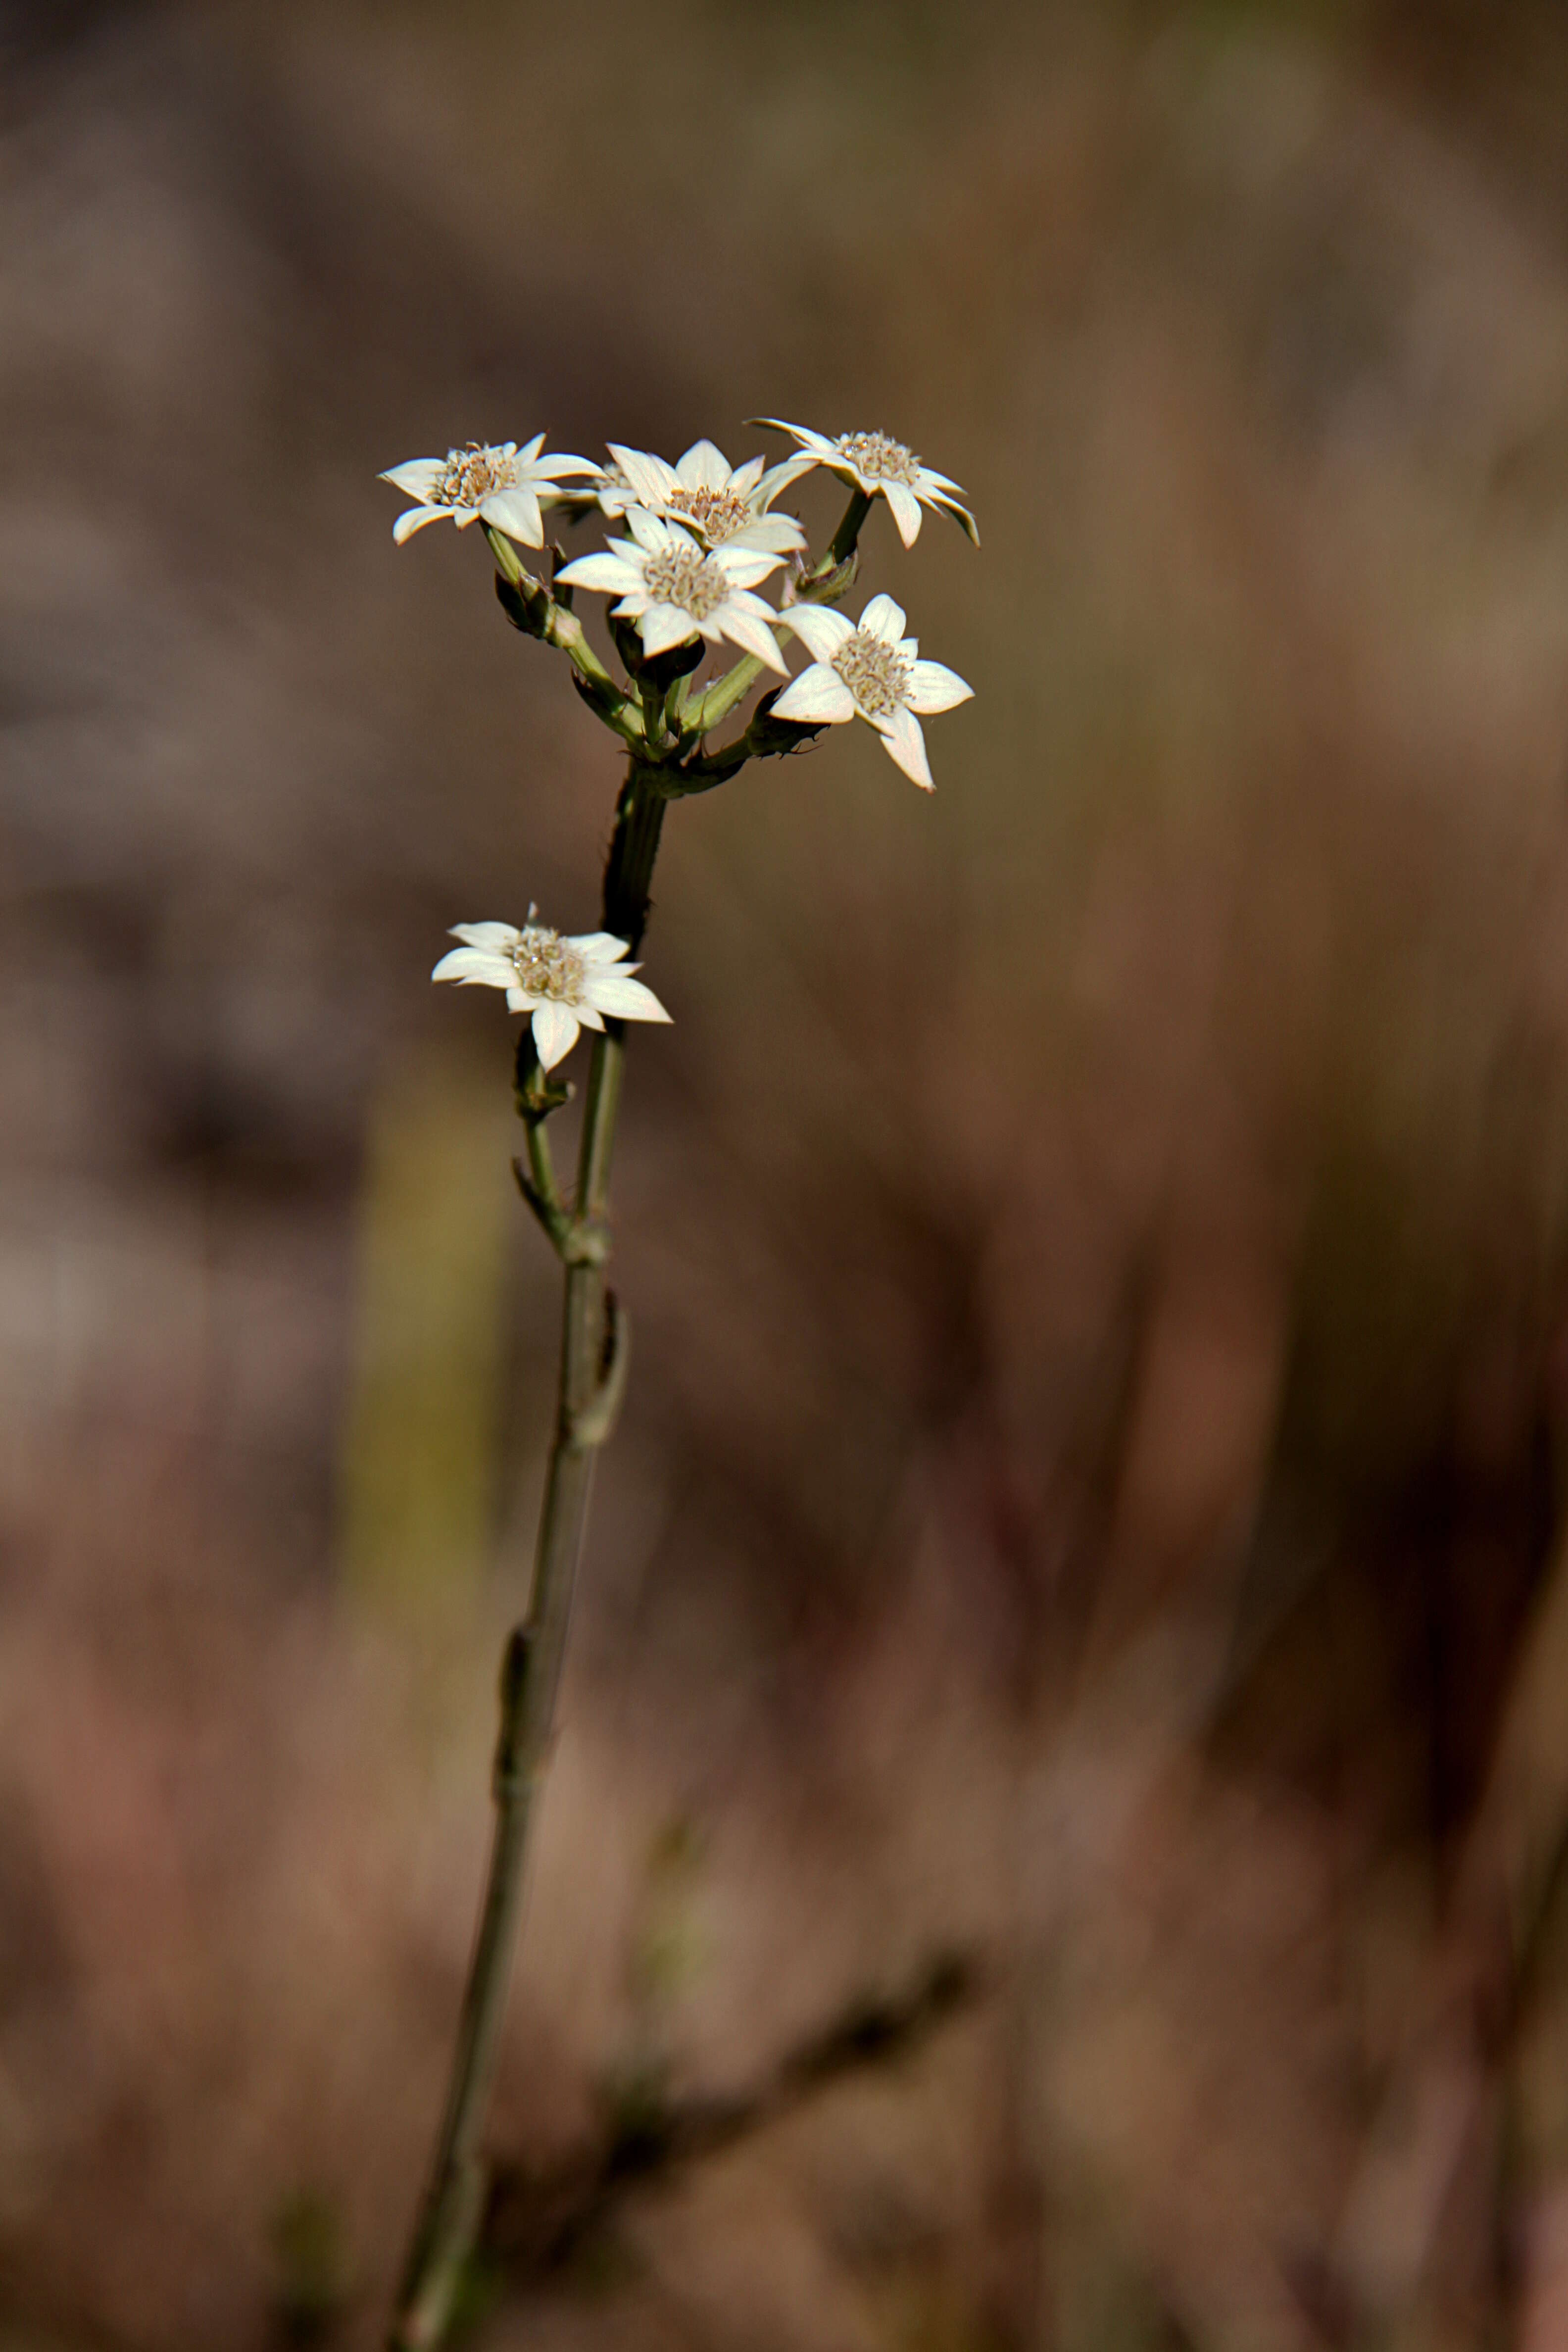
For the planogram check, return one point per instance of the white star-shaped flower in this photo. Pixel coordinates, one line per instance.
(725, 506)
(566, 984)
(675, 589)
(495, 483)
(873, 670)
(877, 464)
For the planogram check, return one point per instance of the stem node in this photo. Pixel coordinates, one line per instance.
(593, 1423)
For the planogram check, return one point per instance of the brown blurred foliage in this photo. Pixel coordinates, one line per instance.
(1057, 1834)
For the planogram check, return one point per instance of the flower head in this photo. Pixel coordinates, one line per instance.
(722, 506)
(675, 589)
(879, 465)
(496, 482)
(565, 983)
(873, 671)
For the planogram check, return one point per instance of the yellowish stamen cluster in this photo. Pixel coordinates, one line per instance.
(717, 514)
(470, 475)
(877, 674)
(878, 458)
(686, 577)
(547, 967)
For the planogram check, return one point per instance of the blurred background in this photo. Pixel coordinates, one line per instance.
(1057, 1835)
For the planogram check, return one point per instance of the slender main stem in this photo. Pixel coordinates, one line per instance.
(592, 1367)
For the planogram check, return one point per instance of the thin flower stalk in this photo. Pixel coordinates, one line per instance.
(595, 1342)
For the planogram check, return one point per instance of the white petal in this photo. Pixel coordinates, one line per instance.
(624, 998)
(821, 632)
(906, 746)
(476, 967)
(663, 626)
(884, 619)
(516, 511)
(517, 1000)
(751, 634)
(651, 535)
(743, 600)
(499, 935)
(417, 475)
(652, 479)
(586, 1014)
(769, 533)
(927, 479)
(744, 479)
(818, 443)
(960, 515)
(529, 451)
(555, 1033)
(746, 565)
(416, 519)
(906, 510)
(559, 463)
(612, 575)
(599, 947)
(779, 478)
(933, 687)
(704, 467)
(819, 693)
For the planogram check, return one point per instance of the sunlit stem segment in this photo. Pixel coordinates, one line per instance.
(555, 625)
(847, 537)
(593, 1349)
(725, 693)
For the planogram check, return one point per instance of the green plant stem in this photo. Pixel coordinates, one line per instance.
(556, 624)
(847, 535)
(725, 693)
(592, 1374)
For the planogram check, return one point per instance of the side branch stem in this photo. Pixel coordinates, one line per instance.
(593, 1370)
(533, 608)
(847, 537)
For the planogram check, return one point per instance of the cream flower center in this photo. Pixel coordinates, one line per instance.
(876, 673)
(685, 576)
(878, 458)
(546, 966)
(470, 475)
(717, 514)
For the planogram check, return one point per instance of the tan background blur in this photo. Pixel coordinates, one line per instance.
(1057, 1835)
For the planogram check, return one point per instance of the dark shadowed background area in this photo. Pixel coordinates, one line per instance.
(1057, 1837)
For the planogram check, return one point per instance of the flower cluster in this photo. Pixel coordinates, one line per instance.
(695, 543)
